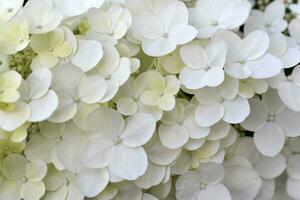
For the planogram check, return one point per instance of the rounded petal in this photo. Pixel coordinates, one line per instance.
(265, 67)
(126, 106)
(214, 77)
(270, 168)
(92, 181)
(139, 128)
(209, 115)
(236, 110)
(32, 190)
(210, 173)
(195, 131)
(9, 121)
(39, 82)
(215, 192)
(192, 56)
(269, 140)
(192, 79)
(293, 167)
(160, 155)
(36, 170)
(292, 188)
(44, 107)
(173, 136)
(91, 89)
(14, 166)
(89, 53)
(128, 163)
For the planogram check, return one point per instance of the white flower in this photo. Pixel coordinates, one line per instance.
(73, 87)
(248, 57)
(204, 183)
(204, 67)
(60, 144)
(179, 125)
(159, 90)
(288, 88)
(166, 28)
(9, 8)
(14, 37)
(272, 20)
(271, 121)
(210, 16)
(127, 99)
(221, 103)
(13, 113)
(23, 178)
(50, 47)
(111, 24)
(36, 93)
(120, 142)
(41, 15)
(61, 185)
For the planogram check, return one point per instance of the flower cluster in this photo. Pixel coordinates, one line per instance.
(149, 100)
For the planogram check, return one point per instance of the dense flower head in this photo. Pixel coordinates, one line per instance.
(149, 100)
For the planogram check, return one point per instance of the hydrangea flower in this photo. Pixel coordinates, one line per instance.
(23, 178)
(166, 28)
(120, 142)
(209, 16)
(271, 123)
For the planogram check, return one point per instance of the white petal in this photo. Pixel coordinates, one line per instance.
(182, 35)
(293, 167)
(32, 190)
(254, 45)
(208, 115)
(265, 67)
(215, 192)
(139, 128)
(36, 170)
(289, 122)
(167, 102)
(153, 176)
(210, 173)
(158, 47)
(122, 73)
(187, 186)
(292, 188)
(92, 181)
(195, 131)
(173, 136)
(160, 155)
(91, 89)
(219, 131)
(14, 166)
(128, 163)
(65, 111)
(214, 77)
(290, 58)
(106, 122)
(269, 140)
(70, 151)
(89, 53)
(66, 79)
(192, 56)
(290, 95)
(44, 107)
(39, 82)
(242, 182)
(9, 121)
(270, 168)
(10, 190)
(236, 110)
(153, 31)
(192, 79)
(126, 106)
(267, 190)
(258, 116)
